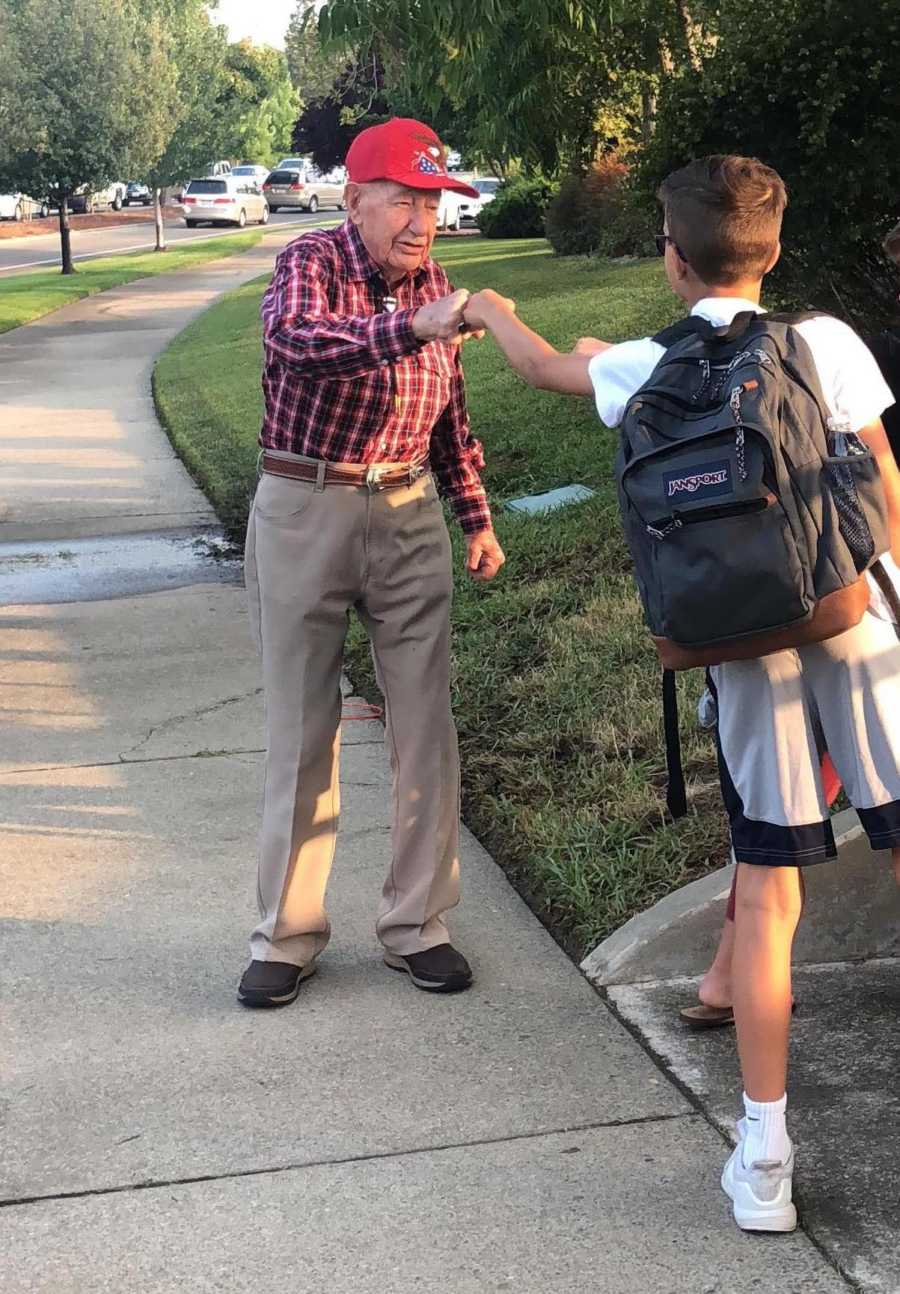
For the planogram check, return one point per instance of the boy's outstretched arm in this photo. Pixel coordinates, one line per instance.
(533, 358)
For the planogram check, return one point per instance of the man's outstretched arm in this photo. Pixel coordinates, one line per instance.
(533, 358)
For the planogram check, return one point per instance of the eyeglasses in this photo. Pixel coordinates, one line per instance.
(661, 240)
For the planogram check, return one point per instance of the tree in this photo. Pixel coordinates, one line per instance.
(313, 70)
(198, 121)
(533, 75)
(85, 96)
(261, 105)
(814, 92)
(327, 126)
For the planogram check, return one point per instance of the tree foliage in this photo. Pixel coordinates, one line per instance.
(313, 70)
(815, 93)
(534, 75)
(259, 105)
(326, 127)
(85, 92)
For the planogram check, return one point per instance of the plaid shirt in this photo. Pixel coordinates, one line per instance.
(350, 383)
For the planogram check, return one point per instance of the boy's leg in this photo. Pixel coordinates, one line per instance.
(768, 905)
(716, 986)
(772, 788)
(758, 1177)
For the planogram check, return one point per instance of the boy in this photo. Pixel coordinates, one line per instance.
(720, 238)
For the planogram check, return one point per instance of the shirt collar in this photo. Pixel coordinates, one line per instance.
(722, 310)
(358, 258)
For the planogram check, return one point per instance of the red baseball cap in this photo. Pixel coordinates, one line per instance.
(405, 151)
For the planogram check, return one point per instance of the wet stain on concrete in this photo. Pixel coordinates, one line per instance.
(114, 566)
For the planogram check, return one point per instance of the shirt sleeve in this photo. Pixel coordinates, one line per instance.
(851, 380)
(620, 371)
(457, 458)
(300, 330)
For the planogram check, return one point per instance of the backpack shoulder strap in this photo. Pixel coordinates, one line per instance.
(793, 316)
(689, 327)
(676, 796)
(697, 326)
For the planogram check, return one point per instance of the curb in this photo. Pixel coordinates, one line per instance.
(853, 911)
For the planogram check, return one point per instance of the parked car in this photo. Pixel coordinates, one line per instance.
(86, 200)
(226, 200)
(304, 186)
(471, 208)
(218, 168)
(137, 195)
(18, 206)
(251, 171)
(450, 209)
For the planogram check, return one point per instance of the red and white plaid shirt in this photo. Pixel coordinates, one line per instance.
(348, 382)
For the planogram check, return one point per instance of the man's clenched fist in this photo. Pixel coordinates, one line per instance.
(441, 320)
(484, 556)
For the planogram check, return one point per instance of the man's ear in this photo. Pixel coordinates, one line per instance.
(353, 195)
(776, 257)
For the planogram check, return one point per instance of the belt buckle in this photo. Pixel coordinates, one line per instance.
(375, 478)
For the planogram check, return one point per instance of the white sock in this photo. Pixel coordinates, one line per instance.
(766, 1136)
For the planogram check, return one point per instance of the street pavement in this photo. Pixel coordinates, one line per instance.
(369, 1138)
(41, 251)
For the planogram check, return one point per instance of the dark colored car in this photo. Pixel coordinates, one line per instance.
(137, 195)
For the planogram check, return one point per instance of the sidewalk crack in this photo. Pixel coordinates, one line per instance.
(176, 719)
(275, 1170)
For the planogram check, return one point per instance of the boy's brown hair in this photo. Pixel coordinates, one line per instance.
(724, 213)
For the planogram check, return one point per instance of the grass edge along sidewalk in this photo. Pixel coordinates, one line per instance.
(556, 687)
(25, 297)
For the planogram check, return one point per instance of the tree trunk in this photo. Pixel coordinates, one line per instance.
(648, 112)
(65, 234)
(160, 221)
(691, 32)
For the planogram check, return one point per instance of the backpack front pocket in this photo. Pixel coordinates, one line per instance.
(729, 575)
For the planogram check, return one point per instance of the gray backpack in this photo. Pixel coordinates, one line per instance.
(750, 514)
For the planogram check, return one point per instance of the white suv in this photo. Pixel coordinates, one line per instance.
(224, 199)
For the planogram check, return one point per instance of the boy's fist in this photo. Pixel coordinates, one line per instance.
(485, 306)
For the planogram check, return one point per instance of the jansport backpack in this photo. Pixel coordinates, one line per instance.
(750, 515)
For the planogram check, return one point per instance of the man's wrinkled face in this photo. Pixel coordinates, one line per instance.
(396, 224)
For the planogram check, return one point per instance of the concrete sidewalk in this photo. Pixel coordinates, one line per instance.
(369, 1138)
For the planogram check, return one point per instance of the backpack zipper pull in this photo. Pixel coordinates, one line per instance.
(660, 532)
(705, 371)
(734, 402)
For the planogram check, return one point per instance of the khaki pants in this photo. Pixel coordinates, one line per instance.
(312, 554)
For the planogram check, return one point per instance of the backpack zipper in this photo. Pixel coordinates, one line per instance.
(664, 527)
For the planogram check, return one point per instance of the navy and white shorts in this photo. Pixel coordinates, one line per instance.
(768, 760)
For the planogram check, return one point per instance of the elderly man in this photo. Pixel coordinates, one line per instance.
(364, 401)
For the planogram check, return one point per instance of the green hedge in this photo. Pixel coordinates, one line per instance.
(599, 214)
(813, 90)
(517, 210)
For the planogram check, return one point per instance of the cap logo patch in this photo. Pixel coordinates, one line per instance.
(429, 159)
(425, 165)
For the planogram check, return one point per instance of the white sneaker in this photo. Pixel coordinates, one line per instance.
(760, 1194)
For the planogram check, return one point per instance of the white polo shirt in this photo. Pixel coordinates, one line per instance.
(849, 375)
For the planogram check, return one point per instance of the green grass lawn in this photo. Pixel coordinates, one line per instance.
(24, 297)
(556, 684)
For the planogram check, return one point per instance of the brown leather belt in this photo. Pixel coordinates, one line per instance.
(383, 476)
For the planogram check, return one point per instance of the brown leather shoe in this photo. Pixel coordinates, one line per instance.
(436, 970)
(272, 983)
